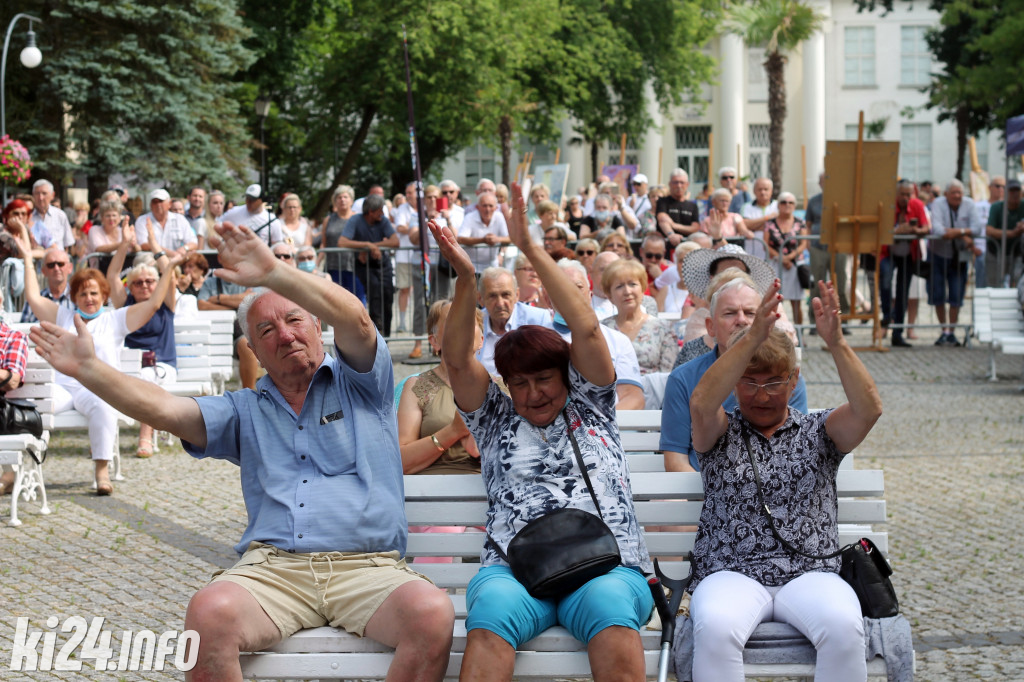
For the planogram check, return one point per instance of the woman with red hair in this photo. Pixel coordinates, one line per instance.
(89, 291)
(560, 406)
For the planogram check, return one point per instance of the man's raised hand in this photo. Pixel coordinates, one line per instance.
(245, 259)
(65, 352)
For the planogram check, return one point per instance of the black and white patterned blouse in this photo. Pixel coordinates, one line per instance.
(798, 466)
(530, 471)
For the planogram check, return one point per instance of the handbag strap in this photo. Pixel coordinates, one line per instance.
(583, 470)
(768, 511)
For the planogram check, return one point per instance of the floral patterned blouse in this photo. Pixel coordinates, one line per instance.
(530, 470)
(656, 344)
(798, 466)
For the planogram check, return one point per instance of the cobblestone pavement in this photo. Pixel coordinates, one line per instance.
(951, 443)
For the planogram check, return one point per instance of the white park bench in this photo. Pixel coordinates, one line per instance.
(662, 500)
(998, 321)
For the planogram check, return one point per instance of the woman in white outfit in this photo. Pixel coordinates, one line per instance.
(89, 291)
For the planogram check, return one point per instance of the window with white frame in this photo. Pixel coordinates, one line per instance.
(757, 79)
(479, 164)
(760, 149)
(916, 151)
(692, 153)
(915, 58)
(859, 51)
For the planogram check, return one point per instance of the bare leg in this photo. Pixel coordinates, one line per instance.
(403, 304)
(798, 312)
(911, 317)
(487, 657)
(229, 620)
(145, 441)
(248, 365)
(616, 653)
(417, 619)
(103, 486)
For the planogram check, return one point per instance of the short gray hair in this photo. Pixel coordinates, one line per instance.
(495, 273)
(449, 184)
(737, 282)
(954, 184)
(141, 269)
(679, 173)
(721, 192)
(42, 182)
(373, 202)
(342, 189)
(243, 310)
(483, 181)
(570, 264)
(726, 169)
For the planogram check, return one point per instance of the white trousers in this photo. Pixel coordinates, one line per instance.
(727, 606)
(102, 418)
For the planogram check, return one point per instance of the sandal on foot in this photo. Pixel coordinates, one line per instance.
(6, 487)
(145, 450)
(104, 488)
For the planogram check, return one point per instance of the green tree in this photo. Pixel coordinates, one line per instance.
(781, 26)
(612, 50)
(138, 87)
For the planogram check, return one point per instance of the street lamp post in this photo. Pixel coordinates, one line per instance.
(30, 58)
(262, 107)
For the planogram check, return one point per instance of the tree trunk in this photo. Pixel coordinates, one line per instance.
(774, 67)
(323, 204)
(595, 150)
(505, 134)
(962, 116)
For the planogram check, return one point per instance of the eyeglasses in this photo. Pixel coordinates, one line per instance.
(449, 191)
(525, 270)
(20, 211)
(751, 388)
(787, 203)
(654, 256)
(306, 259)
(993, 184)
(283, 256)
(144, 282)
(556, 238)
(728, 177)
(586, 252)
(53, 266)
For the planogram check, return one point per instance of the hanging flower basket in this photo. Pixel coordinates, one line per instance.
(15, 163)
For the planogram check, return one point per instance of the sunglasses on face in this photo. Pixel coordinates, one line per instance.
(787, 203)
(283, 256)
(144, 282)
(53, 266)
(590, 252)
(654, 256)
(728, 177)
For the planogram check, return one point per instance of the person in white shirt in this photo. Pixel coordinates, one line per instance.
(639, 202)
(161, 226)
(454, 213)
(357, 207)
(407, 270)
(498, 294)
(756, 214)
(598, 301)
(58, 227)
(485, 227)
(254, 215)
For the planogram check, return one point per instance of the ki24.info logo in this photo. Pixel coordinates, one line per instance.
(87, 645)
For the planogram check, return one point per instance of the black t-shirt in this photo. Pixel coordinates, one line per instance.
(681, 212)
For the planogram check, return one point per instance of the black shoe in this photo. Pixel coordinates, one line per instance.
(941, 341)
(898, 342)
(885, 322)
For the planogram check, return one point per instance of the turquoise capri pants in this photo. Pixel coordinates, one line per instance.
(497, 602)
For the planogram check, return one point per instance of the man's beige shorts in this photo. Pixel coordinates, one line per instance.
(343, 589)
(403, 275)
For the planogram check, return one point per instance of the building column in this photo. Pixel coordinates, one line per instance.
(652, 141)
(731, 104)
(814, 108)
(576, 155)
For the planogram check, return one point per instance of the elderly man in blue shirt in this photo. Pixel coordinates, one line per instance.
(317, 445)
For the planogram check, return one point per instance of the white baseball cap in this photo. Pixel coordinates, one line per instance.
(159, 195)
(640, 177)
(253, 191)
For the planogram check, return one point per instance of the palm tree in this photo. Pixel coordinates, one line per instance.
(780, 25)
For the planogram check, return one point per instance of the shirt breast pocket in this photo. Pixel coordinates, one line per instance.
(333, 446)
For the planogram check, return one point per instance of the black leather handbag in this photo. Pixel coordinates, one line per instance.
(19, 416)
(863, 565)
(556, 554)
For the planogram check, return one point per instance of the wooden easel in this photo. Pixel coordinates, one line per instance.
(846, 226)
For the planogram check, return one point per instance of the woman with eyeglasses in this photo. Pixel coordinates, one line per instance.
(654, 340)
(586, 251)
(156, 337)
(742, 574)
(109, 329)
(785, 248)
(617, 243)
(106, 237)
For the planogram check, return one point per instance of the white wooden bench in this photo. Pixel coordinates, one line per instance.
(662, 500)
(998, 321)
(23, 453)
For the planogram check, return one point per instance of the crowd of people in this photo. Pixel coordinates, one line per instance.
(544, 320)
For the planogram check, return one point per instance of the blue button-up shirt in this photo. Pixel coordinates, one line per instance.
(326, 479)
(521, 314)
(675, 411)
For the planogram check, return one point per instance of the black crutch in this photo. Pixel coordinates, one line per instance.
(667, 610)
